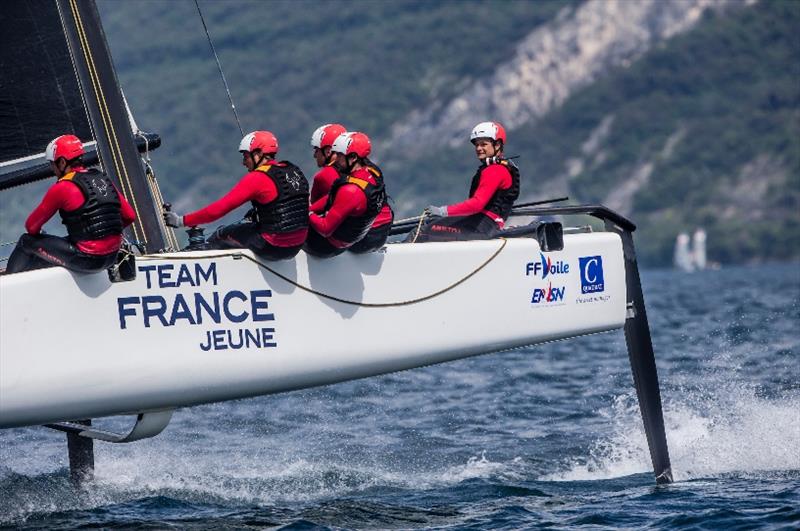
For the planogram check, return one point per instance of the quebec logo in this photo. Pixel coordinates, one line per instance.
(546, 267)
(591, 274)
(550, 294)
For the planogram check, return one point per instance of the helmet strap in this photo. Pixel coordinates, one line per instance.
(328, 155)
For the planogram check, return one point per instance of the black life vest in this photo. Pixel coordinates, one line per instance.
(354, 228)
(289, 211)
(502, 201)
(100, 215)
(378, 174)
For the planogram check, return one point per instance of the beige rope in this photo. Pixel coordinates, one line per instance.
(346, 301)
(419, 226)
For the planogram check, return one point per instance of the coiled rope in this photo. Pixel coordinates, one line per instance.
(307, 289)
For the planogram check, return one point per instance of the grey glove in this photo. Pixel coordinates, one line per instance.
(172, 219)
(440, 211)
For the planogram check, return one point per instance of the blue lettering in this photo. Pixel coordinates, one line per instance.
(158, 311)
(181, 311)
(537, 295)
(256, 305)
(226, 306)
(207, 346)
(212, 311)
(219, 340)
(266, 335)
(185, 276)
(208, 274)
(146, 270)
(164, 276)
(234, 345)
(123, 311)
(252, 336)
(530, 268)
(556, 294)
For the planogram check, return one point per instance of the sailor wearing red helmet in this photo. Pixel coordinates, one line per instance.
(91, 207)
(322, 140)
(353, 203)
(278, 193)
(494, 188)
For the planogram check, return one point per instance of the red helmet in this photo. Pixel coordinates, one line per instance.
(326, 134)
(492, 130)
(64, 146)
(356, 142)
(263, 140)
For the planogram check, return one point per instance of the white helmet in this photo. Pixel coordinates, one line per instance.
(352, 142)
(263, 140)
(326, 134)
(492, 130)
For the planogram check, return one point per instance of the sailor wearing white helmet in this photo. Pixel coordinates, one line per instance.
(494, 188)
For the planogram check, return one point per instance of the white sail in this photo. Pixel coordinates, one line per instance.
(683, 256)
(699, 249)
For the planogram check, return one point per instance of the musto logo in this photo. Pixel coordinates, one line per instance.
(549, 294)
(591, 274)
(546, 267)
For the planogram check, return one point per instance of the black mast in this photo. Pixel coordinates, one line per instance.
(109, 118)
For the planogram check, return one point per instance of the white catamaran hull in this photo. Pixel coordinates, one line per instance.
(207, 326)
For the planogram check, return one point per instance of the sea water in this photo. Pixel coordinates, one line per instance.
(542, 436)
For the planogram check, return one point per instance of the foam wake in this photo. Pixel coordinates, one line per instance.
(729, 430)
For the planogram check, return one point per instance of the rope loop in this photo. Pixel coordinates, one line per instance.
(238, 256)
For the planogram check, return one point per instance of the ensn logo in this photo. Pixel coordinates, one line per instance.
(591, 274)
(546, 267)
(550, 294)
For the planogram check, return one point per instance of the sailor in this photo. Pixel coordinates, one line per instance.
(91, 207)
(379, 232)
(494, 188)
(322, 140)
(353, 203)
(278, 192)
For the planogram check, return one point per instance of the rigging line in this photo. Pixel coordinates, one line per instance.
(419, 227)
(76, 18)
(111, 133)
(155, 191)
(219, 66)
(346, 301)
(106, 116)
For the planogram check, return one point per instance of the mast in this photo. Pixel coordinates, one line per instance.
(109, 118)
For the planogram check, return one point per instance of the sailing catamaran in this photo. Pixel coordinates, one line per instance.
(203, 326)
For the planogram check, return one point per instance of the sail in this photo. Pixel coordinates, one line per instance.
(39, 93)
(58, 78)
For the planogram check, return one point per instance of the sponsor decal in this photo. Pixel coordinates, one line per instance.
(239, 315)
(546, 267)
(591, 269)
(549, 296)
(592, 298)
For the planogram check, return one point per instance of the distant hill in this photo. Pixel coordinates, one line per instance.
(678, 114)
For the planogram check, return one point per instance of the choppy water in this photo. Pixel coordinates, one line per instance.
(546, 436)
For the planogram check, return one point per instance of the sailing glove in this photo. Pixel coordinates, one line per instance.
(172, 219)
(439, 211)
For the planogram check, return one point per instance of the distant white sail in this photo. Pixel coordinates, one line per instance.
(699, 249)
(683, 257)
